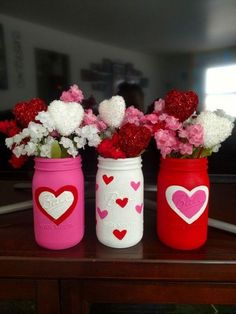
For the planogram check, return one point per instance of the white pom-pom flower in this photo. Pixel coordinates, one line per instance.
(46, 120)
(66, 116)
(216, 128)
(112, 111)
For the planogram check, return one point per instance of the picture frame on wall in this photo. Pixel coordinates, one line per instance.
(3, 63)
(52, 72)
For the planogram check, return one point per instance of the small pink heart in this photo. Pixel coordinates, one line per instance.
(139, 208)
(96, 187)
(102, 213)
(135, 185)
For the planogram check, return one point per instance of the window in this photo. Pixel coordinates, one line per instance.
(220, 89)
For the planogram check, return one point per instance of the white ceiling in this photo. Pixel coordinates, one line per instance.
(151, 26)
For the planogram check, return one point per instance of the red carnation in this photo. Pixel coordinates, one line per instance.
(9, 128)
(17, 162)
(109, 148)
(134, 139)
(181, 105)
(25, 112)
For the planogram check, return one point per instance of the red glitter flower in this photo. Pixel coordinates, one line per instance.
(134, 139)
(25, 112)
(181, 105)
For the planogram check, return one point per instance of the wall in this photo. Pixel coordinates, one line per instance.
(80, 50)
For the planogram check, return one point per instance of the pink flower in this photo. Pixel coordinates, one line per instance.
(74, 94)
(166, 141)
(132, 115)
(159, 105)
(172, 123)
(185, 148)
(150, 119)
(91, 119)
(193, 133)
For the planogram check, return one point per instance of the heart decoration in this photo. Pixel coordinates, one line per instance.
(56, 205)
(73, 112)
(96, 187)
(135, 185)
(102, 213)
(139, 208)
(107, 179)
(122, 202)
(119, 234)
(187, 204)
(112, 111)
(25, 112)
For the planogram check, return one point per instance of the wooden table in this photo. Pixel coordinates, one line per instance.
(69, 281)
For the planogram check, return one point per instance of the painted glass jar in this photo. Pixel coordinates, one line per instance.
(58, 202)
(119, 202)
(182, 202)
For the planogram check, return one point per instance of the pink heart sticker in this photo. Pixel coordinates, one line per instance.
(187, 204)
(135, 185)
(139, 208)
(102, 213)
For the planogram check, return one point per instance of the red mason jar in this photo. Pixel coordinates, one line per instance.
(182, 202)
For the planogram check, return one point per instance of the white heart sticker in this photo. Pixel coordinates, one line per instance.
(56, 206)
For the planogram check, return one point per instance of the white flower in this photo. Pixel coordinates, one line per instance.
(19, 150)
(94, 141)
(9, 142)
(66, 116)
(216, 128)
(17, 138)
(37, 131)
(66, 142)
(80, 142)
(31, 149)
(46, 120)
(72, 151)
(112, 111)
(45, 149)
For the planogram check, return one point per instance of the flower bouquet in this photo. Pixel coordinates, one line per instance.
(185, 139)
(54, 134)
(119, 179)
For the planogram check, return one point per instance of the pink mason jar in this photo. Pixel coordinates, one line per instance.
(58, 202)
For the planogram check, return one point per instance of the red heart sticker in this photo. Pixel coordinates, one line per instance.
(56, 205)
(119, 234)
(122, 202)
(107, 179)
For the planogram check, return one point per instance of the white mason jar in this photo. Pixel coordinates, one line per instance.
(119, 201)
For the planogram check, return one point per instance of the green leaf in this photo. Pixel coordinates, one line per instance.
(55, 150)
